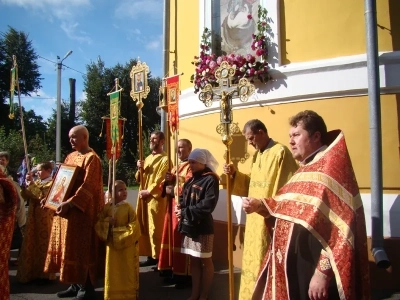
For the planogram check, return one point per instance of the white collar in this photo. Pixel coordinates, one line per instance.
(303, 162)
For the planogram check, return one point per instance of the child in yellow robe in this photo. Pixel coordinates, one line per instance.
(121, 232)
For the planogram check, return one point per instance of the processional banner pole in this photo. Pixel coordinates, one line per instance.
(139, 91)
(172, 92)
(15, 83)
(115, 134)
(225, 92)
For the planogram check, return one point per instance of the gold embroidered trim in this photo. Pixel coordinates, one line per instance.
(327, 181)
(344, 229)
(325, 264)
(259, 184)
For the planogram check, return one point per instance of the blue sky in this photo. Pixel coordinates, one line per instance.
(115, 30)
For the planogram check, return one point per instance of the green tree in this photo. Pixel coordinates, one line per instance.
(16, 43)
(98, 82)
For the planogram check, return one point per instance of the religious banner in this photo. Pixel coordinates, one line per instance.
(114, 114)
(13, 84)
(118, 145)
(172, 100)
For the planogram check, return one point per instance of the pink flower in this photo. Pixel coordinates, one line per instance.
(219, 60)
(259, 52)
(249, 17)
(212, 64)
(250, 58)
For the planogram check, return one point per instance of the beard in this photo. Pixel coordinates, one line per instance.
(154, 146)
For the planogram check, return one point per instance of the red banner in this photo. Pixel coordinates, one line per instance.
(118, 145)
(172, 100)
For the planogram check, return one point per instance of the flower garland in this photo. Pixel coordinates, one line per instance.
(245, 65)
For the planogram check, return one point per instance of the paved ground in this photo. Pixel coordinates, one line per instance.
(152, 287)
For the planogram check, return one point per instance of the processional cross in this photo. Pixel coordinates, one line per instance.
(225, 92)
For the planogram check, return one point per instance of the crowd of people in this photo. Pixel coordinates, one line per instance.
(305, 232)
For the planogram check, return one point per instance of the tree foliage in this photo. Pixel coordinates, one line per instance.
(99, 81)
(12, 142)
(16, 43)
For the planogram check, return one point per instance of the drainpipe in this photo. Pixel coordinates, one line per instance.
(378, 251)
(166, 32)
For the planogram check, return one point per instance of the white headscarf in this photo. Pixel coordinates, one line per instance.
(204, 156)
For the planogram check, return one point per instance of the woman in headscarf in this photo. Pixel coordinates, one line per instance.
(196, 204)
(8, 206)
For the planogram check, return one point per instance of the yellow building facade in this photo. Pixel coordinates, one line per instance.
(318, 62)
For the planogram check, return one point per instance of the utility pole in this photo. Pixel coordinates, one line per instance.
(58, 124)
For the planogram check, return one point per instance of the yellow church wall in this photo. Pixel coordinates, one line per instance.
(348, 114)
(188, 42)
(312, 30)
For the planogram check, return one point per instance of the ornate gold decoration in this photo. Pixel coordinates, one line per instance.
(225, 92)
(140, 89)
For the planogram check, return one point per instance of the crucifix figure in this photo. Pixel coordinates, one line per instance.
(225, 92)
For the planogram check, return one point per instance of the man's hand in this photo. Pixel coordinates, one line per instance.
(318, 289)
(251, 205)
(144, 194)
(42, 203)
(29, 178)
(140, 164)
(178, 211)
(169, 189)
(169, 177)
(229, 169)
(112, 221)
(63, 209)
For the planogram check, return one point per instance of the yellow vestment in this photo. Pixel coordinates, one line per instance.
(151, 212)
(270, 170)
(122, 257)
(37, 234)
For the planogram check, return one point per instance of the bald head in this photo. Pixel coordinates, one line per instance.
(79, 138)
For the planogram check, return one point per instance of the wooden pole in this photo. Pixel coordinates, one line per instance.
(114, 156)
(227, 140)
(15, 65)
(139, 105)
(169, 198)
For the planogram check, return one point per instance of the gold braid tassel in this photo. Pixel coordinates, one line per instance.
(102, 125)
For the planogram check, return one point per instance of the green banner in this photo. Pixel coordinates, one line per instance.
(114, 116)
(12, 91)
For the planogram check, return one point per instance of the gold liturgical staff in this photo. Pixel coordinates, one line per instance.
(225, 92)
(139, 91)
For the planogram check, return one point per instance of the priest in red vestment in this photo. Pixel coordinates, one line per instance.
(319, 247)
(8, 206)
(171, 259)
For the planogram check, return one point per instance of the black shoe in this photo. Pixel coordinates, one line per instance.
(166, 273)
(180, 286)
(183, 282)
(149, 262)
(169, 280)
(85, 295)
(72, 291)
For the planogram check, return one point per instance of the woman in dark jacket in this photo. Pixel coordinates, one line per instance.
(196, 204)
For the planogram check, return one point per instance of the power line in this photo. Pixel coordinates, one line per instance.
(44, 98)
(62, 64)
(74, 70)
(47, 59)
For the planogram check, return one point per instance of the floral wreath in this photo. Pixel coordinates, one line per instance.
(245, 65)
